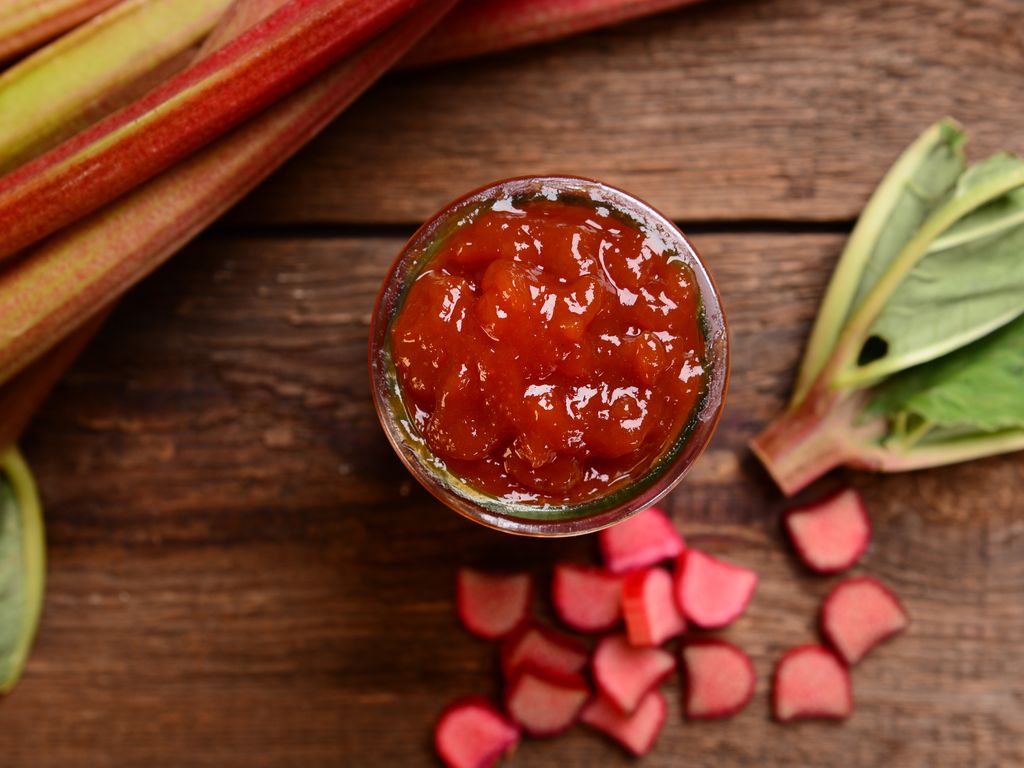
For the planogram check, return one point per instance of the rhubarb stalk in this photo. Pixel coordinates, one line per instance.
(44, 98)
(24, 24)
(183, 115)
(485, 26)
(62, 282)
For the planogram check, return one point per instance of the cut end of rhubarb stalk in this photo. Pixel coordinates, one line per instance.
(544, 649)
(636, 732)
(643, 540)
(719, 678)
(831, 534)
(811, 682)
(545, 703)
(471, 733)
(587, 599)
(492, 605)
(711, 592)
(649, 608)
(859, 614)
(804, 444)
(624, 673)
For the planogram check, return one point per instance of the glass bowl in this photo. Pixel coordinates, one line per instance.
(532, 519)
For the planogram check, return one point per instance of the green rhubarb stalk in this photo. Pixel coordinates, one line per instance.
(24, 24)
(22, 566)
(917, 357)
(180, 117)
(67, 279)
(44, 98)
(479, 27)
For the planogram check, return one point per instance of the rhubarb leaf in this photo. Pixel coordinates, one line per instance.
(969, 283)
(22, 565)
(921, 180)
(977, 388)
(923, 193)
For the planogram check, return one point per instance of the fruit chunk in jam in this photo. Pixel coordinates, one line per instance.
(550, 351)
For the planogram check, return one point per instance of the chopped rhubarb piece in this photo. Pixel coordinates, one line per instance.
(542, 648)
(719, 678)
(471, 733)
(545, 703)
(859, 614)
(492, 605)
(649, 607)
(645, 539)
(636, 732)
(711, 592)
(625, 672)
(811, 682)
(587, 599)
(831, 534)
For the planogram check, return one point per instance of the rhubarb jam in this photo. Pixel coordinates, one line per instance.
(550, 348)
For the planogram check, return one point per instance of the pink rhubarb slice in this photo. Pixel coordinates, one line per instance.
(471, 733)
(645, 539)
(649, 607)
(543, 648)
(636, 732)
(811, 682)
(831, 534)
(859, 614)
(587, 599)
(624, 673)
(711, 592)
(719, 678)
(491, 605)
(545, 703)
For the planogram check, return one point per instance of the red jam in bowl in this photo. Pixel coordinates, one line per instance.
(551, 347)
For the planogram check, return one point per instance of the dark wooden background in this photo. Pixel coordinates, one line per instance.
(241, 573)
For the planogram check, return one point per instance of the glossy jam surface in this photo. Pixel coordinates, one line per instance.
(550, 351)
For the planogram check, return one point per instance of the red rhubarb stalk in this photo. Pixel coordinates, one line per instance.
(24, 24)
(64, 281)
(205, 101)
(478, 27)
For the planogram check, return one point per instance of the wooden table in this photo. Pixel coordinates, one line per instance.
(241, 573)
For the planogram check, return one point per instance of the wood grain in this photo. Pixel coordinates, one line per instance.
(731, 110)
(241, 573)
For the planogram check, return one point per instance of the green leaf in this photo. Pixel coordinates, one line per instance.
(929, 187)
(22, 566)
(970, 282)
(921, 180)
(978, 388)
(935, 323)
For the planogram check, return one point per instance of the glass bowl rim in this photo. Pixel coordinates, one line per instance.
(654, 483)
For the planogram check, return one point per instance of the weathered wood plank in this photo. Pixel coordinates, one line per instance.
(734, 110)
(243, 574)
